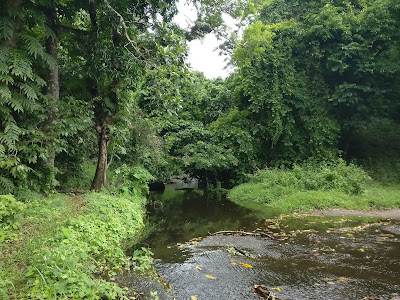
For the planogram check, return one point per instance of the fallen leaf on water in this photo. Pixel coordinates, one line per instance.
(351, 235)
(361, 249)
(245, 265)
(232, 262)
(330, 282)
(278, 289)
(193, 298)
(198, 268)
(343, 278)
(316, 284)
(210, 276)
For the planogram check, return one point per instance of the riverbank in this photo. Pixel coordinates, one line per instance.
(393, 213)
(310, 187)
(375, 197)
(64, 244)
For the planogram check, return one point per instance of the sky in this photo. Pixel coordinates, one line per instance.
(202, 54)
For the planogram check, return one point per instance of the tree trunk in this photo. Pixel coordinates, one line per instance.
(100, 178)
(53, 89)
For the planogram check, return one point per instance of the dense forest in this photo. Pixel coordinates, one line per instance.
(97, 93)
(313, 80)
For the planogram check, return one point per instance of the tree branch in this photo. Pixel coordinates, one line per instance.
(122, 22)
(63, 29)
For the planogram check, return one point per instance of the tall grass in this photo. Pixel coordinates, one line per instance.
(315, 186)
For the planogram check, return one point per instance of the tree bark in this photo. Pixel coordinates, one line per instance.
(53, 86)
(100, 177)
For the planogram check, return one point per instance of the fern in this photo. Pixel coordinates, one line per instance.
(24, 103)
(38, 80)
(49, 33)
(6, 28)
(5, 92)
(6, 78)
(4, 68)
(5, 114)
(21, 66)
(33, 45)
(29, 91)
(15, 104)
(6, 186)
(49, 60)
(4, 139)
(12, 130)
(4, 57)
(10, 135)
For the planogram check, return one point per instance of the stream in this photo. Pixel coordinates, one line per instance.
(295, 257)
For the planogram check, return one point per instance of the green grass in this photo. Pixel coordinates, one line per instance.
(64, 240)
(305, 188)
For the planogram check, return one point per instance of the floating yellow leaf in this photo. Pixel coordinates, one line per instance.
(278, 289)
(351, 235)
(330, 282)
(193, 298)
(343, 278)
(210, 276)
(245, 265)
(316, 284)
(198, 268)
(361, 249)
(232, 262)
(169, 247)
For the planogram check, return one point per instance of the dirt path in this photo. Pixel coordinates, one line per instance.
(386, 214)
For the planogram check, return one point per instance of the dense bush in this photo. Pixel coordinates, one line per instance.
(94, 241)
(322, 176)
(319, 185)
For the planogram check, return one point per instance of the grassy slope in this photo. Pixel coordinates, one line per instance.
(287, 190)
(63, 240)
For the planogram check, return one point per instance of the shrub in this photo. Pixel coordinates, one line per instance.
(10, 211)
(92, 242)
(274, 184)
(316, 176)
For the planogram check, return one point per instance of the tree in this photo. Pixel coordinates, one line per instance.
(22, 93)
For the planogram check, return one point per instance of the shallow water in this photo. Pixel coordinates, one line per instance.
(307, 258)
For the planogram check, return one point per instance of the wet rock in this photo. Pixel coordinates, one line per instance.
(392, 229)
(262, 292)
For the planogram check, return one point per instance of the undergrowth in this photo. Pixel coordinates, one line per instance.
(64, 241)
(315, 186)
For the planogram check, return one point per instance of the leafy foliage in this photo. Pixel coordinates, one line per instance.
(309, 186)
(63, 267)
(10, 212)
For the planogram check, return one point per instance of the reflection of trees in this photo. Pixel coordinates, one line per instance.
(188, 214)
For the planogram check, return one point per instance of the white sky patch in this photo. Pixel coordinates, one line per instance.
(202, 54)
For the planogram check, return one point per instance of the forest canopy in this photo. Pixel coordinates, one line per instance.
(91, 86)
